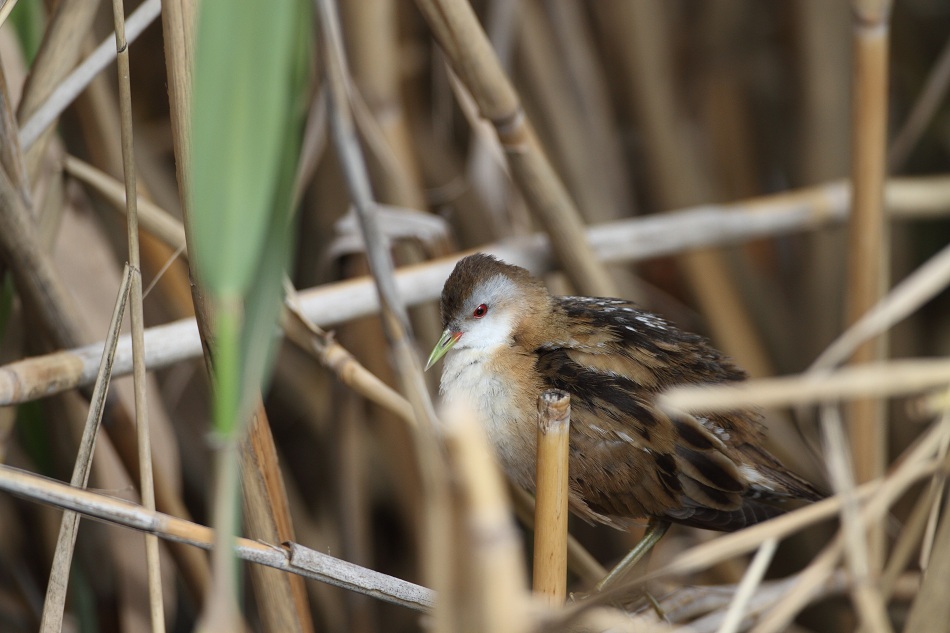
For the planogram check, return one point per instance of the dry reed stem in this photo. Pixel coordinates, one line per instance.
(912, 466)
(908, 541)
(937, 486)
(489, 592)
(905, 298)
(282, 603)
(371, 31)
(880, 379)
(341, 362)
(282, 598)
(677, 172)
(868, 248)
(146, 479)
(579, 560)
(5, 9)
(748, 586)
(297, 327)
(590, 88)
(464, 43)
(931, 609)
(289, 557)
(152, 218)
(865, 596)
(54, 605)
(41, 287)
(550, 512)
(335, 303)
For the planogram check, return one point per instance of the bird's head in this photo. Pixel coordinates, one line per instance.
(483, 302)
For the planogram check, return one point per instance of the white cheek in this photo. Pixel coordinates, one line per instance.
(487, 334)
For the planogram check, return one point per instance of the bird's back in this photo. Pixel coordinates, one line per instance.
(629, 459)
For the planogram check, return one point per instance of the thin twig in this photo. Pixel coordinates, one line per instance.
(54, 605)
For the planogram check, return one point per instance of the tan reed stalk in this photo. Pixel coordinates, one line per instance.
(579, 560)
(550, 512)
(878, 379)
(868, 251)
(282, 598)
(146, 478)
(334, 356)
(551, 98)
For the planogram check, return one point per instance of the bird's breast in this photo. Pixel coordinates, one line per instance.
(502, 404)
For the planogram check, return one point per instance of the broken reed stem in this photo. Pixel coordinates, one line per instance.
(579, 560)
(868, 249)
(146, 481)
(55, 603)
(463, 41)
(550, 511)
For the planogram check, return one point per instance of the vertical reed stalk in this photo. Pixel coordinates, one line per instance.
(868, 253)
(146, 479)
(550, 511)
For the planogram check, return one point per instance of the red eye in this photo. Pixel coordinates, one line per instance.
(480, 311)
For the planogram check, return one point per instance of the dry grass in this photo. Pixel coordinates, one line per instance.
(701, 148)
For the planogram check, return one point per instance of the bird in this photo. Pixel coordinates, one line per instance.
(506, 340)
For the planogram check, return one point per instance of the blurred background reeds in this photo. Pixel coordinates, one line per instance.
(764, 173)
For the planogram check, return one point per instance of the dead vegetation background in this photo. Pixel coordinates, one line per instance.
(716, 135)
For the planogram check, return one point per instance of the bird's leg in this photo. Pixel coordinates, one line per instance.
(654, 532)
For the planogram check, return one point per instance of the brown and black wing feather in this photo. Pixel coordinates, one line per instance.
(633, 460)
